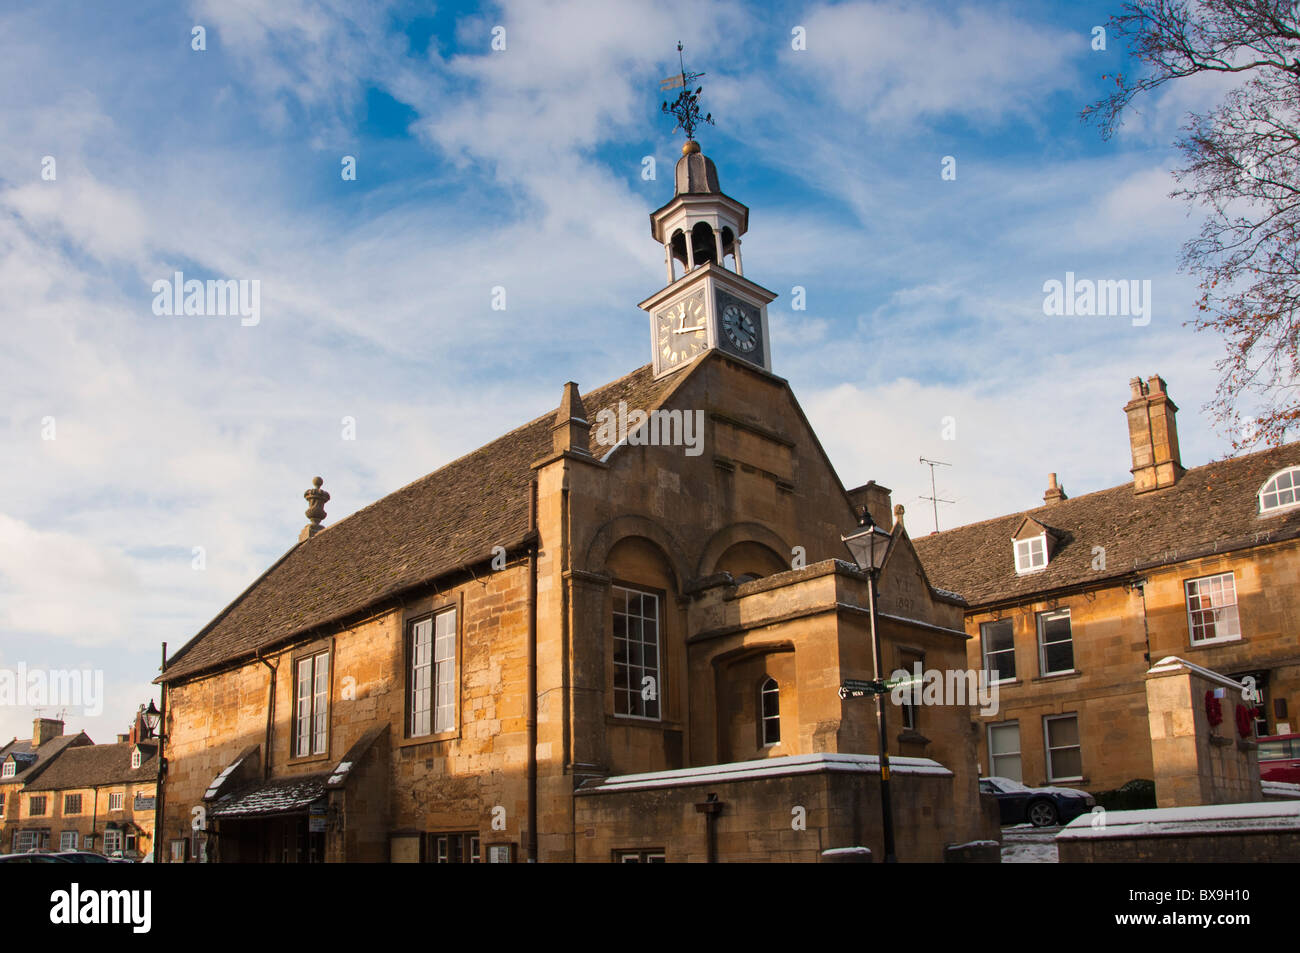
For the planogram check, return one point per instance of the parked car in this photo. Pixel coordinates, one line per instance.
(1279, 758)
(81, 856)
(31, 857)
(1041, 807)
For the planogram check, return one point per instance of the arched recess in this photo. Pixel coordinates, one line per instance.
(704, 246)
(727, 537)
(739, 677)
(622, 527)
(749, 560)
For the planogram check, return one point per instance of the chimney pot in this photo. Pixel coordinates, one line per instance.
(1055, 493)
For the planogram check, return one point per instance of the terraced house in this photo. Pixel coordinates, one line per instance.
(25, 818)
(572, 646)
(1072, 602)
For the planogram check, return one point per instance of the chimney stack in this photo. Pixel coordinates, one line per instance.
(316, 499)
(571, 428)
(1153, 435)
(46, 729)
(1055, 493)
(876, 499)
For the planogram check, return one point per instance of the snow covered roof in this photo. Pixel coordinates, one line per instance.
(290, 795)
(762, 768)
(1173, 821)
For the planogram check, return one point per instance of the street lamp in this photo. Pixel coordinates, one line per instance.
(868, 547)
(151, 718)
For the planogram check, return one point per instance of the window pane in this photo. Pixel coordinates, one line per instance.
(1063, 731)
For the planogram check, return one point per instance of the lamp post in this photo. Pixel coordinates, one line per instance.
(868, 547)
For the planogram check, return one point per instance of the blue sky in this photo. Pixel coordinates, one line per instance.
(521, 169)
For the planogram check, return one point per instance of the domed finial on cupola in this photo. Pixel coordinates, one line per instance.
(316, 499)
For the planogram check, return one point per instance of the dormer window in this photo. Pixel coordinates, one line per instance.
(1031, 554)
(135, 758)
(1281, 492)
(8, 770)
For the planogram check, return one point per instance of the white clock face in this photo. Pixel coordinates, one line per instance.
(739, 328)
(681, 331)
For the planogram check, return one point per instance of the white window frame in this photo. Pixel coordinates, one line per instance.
(1048, 749)
(311, 725)
(634, 691)
(1293, 475)
(25, 841)
(113, 840)
(1041, 621)
(31, 809)
(67, 840)
(9, 770)
(115, 801)
(432, 696)
(66, 799)
(136, 758)
(1025, 554)
(769, 687)
(1233, 616)
(994, 770)
(985, 650)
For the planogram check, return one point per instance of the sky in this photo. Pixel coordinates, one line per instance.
(152, 465)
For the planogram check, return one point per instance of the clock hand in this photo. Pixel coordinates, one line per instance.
(698, 327)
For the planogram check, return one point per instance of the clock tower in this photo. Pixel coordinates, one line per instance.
(711, 304)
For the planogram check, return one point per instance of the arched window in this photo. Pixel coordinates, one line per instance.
(769, 705)
(135, 758)
(1281, 492)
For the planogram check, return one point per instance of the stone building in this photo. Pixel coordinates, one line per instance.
(100, 797)
(616, 633)
(1072, 602)
(25, 825)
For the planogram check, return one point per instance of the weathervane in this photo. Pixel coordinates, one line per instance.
(686, 107)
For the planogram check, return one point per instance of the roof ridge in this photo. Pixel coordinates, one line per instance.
(550, 414)
(1240, 458)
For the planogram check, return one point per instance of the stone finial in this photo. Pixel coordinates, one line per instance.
(1055, 493)
(316, 499)
(898, 514)
(571, 429)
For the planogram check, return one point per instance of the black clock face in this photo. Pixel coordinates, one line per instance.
(740, 327)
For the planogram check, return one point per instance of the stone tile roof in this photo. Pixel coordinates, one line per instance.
(288, 795)
(1212, 508)
(44, 755)
(95, 765)
(436, 525)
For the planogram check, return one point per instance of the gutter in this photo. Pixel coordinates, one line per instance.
(270, 718)
(531, 655)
